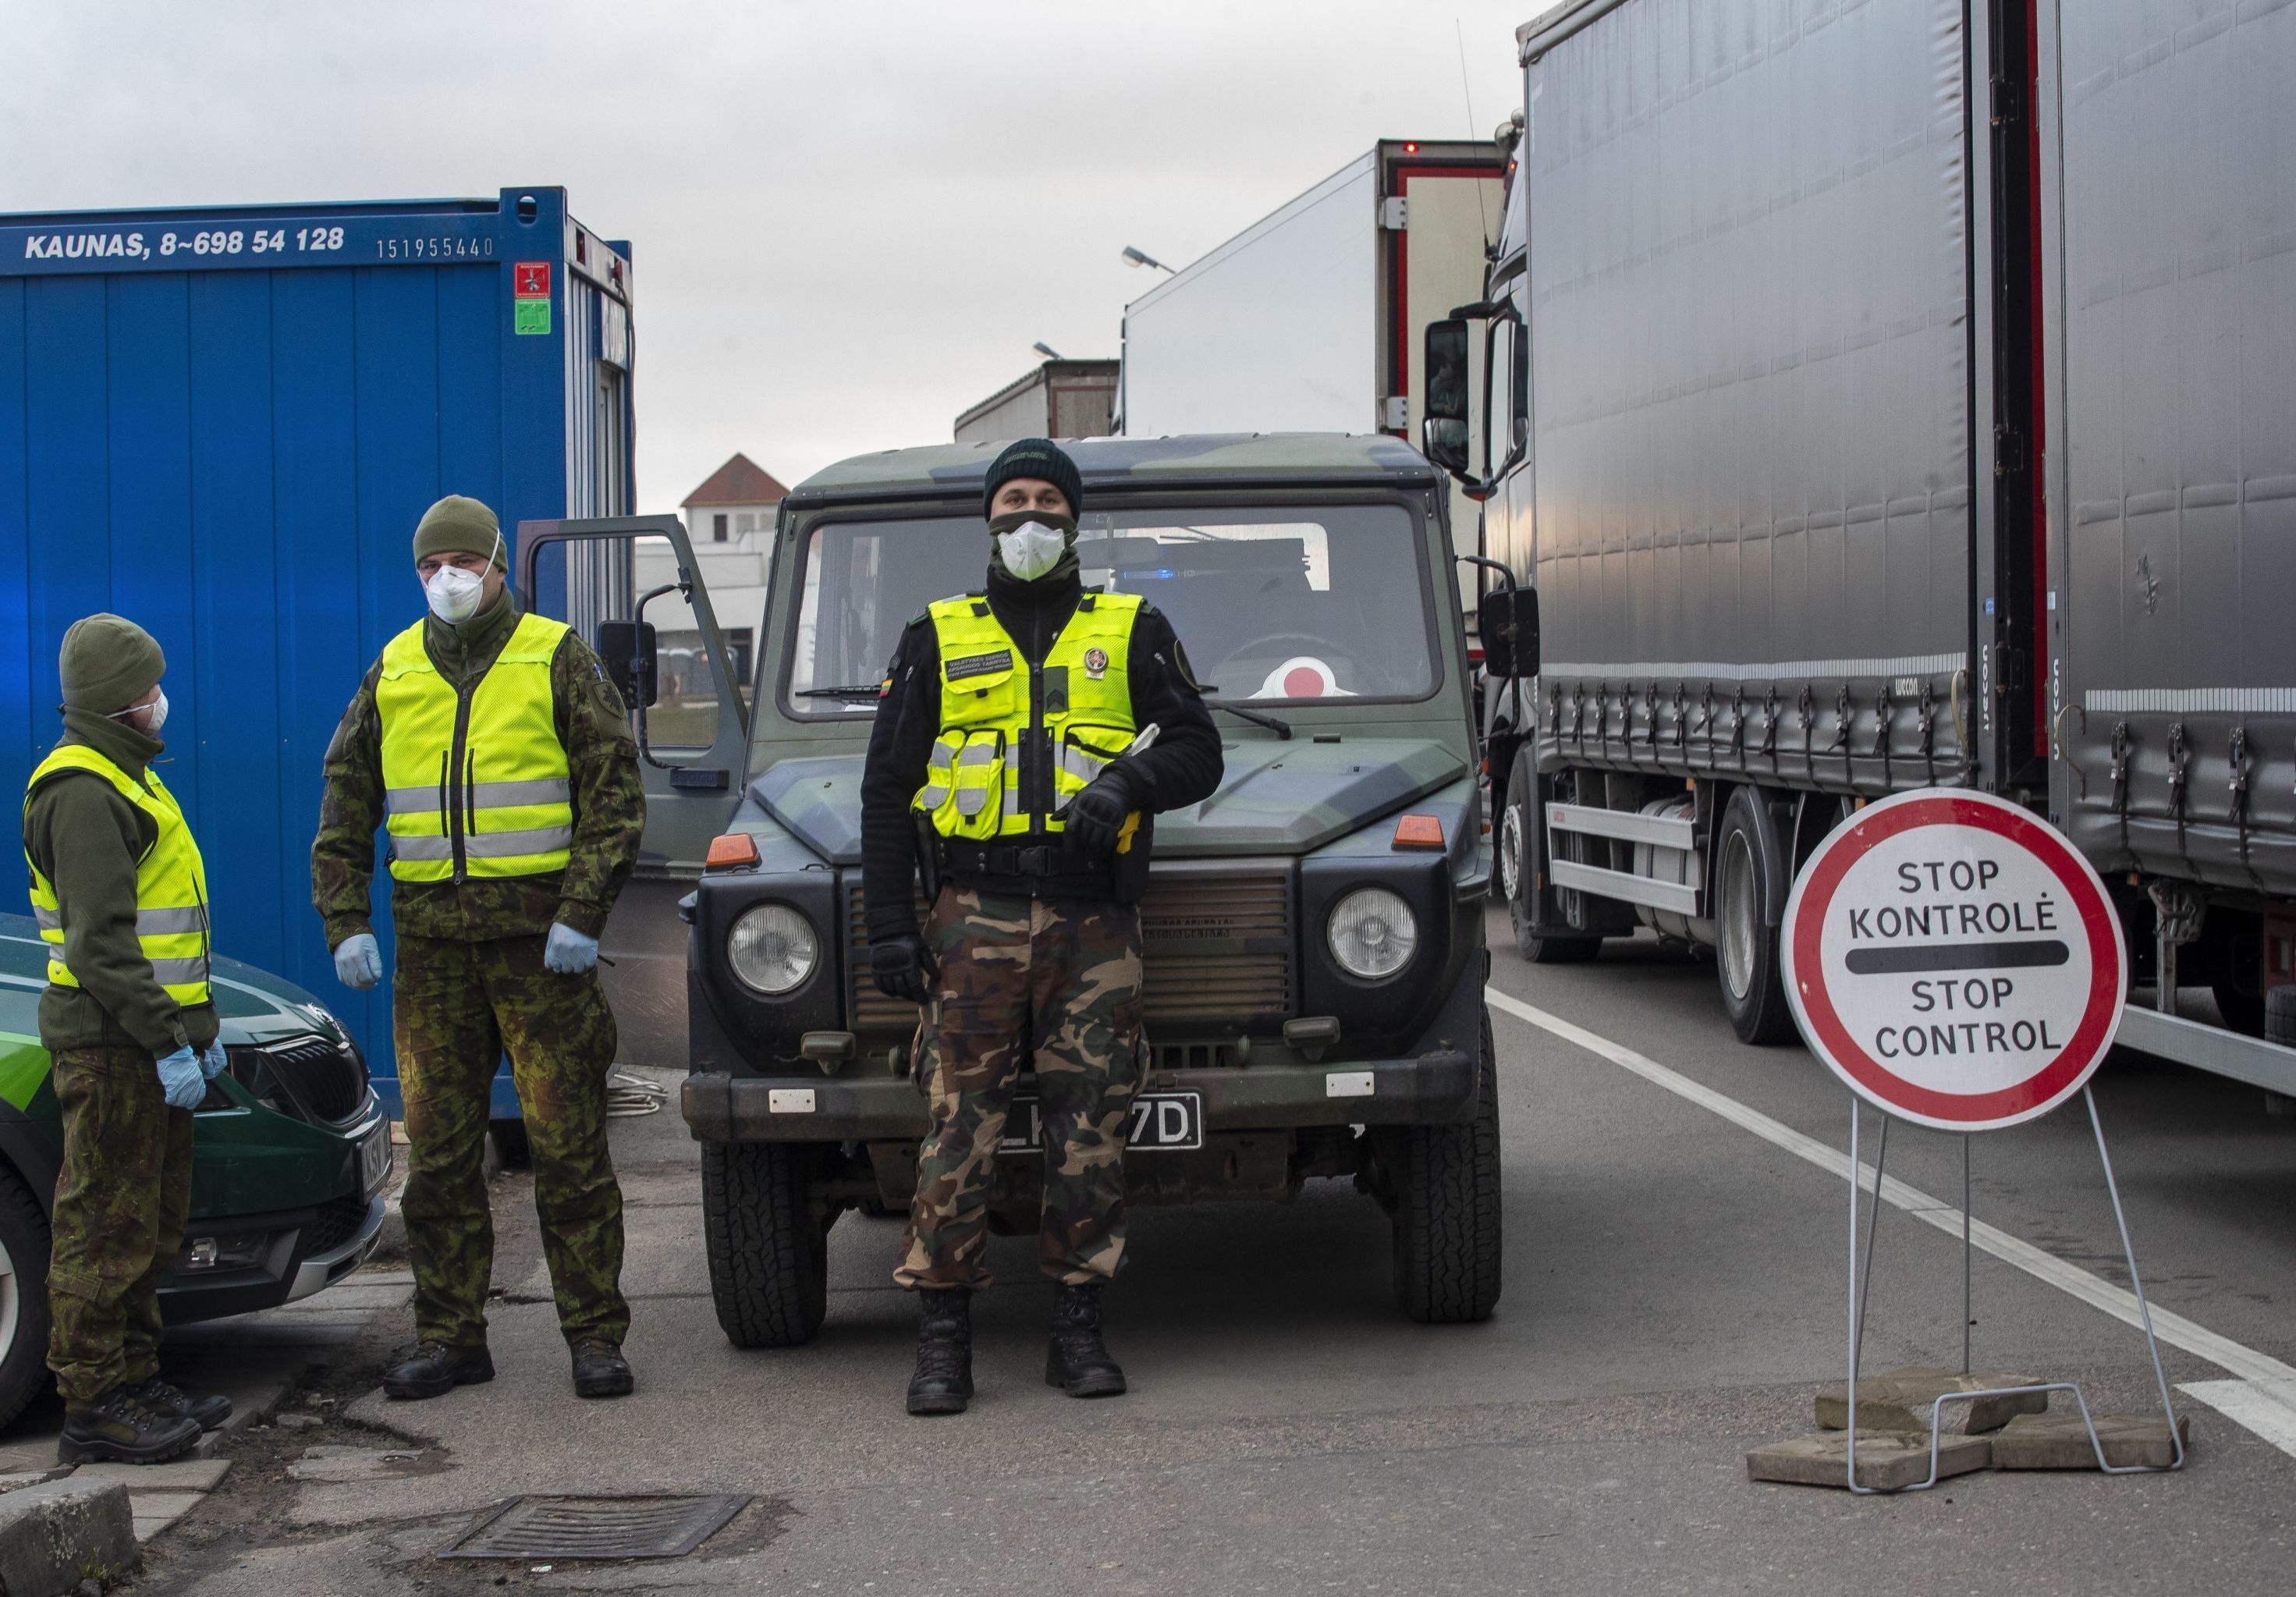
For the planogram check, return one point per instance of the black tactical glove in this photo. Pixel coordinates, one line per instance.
(1096, 815)
(905, 968)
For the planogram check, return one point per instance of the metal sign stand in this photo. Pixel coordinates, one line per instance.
(1861, 1275)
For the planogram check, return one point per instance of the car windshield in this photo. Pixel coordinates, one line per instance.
(1272, 603)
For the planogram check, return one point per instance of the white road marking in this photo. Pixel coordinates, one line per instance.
(2263, 1399)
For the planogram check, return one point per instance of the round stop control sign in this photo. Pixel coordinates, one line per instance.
(1954, 961)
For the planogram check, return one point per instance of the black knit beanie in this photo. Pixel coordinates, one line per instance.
(1042, 459)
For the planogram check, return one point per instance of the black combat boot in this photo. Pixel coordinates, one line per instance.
(161, 1399)
(434, 1370)
(116, 1428)
(1077, 1361)
(600, 1370)
(943, 1381)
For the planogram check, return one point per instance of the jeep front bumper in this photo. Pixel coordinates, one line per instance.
(1434, 1089)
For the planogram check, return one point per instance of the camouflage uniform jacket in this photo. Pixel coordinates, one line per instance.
(87, 839)
(608, 804)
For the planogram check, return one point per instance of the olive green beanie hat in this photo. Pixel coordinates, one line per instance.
(459, 526)
(107, 663)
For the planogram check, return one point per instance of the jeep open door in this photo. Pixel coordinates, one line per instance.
(631, 587)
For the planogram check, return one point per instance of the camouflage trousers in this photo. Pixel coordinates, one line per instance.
(1025, 981)
(123, 1198)
(459, 1006)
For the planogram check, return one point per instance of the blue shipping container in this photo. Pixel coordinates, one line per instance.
(225, 423)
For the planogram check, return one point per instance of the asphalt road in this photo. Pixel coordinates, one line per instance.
(1674, 1295)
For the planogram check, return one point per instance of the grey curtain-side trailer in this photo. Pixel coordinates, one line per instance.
(1890, 394)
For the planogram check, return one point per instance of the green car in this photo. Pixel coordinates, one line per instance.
(292, 1152)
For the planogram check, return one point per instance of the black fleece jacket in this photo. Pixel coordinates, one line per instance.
(1183, 767)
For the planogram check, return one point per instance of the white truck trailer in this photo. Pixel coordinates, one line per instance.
(1310, 319)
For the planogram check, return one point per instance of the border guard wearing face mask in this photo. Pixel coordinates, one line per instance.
(488, 746)
(1027, 734)
(120, 896)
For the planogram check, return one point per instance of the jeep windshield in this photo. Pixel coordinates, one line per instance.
(1273, 603)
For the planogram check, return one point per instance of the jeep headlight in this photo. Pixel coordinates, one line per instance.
(1372, 933)
(773, 949)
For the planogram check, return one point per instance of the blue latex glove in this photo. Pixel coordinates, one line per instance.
(213, 1061)
(358, 961)
(179, 1074)
(569, 952)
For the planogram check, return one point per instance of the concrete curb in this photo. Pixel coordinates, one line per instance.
(57, 1534)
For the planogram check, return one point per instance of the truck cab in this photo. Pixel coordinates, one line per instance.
(1313, 932)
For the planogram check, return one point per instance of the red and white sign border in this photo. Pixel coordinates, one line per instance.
(1830, 1039)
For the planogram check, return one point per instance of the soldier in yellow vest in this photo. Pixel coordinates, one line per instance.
(490, 749)
(121, 900)
(1033, 728)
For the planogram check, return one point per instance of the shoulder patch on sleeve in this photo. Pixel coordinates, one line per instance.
(1147, 609)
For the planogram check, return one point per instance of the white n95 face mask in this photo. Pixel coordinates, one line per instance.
(1031, 549)
(159, 708)
(455, 593)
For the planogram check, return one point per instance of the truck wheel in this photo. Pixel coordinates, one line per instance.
(769, 1251)
(1518, 880)
(1746, 953)
(1446, 1209)
(23, 1297)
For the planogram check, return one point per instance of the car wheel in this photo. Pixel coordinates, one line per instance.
(1445, 1222)
(1517, 852)
(23, 1295)
(769, 1251)
(1746, 956)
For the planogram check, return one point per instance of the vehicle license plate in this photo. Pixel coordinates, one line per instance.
(1162, 1123)
(374, 1157)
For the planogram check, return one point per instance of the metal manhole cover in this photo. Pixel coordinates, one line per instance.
(576, 1527)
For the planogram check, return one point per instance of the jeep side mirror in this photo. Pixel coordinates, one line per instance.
(627, 649)
(1508, 621)
(1443, 426)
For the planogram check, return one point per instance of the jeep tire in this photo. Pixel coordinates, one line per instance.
(768, 1251)
(1446, 1220)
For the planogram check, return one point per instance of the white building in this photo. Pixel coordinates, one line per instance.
(730, 519)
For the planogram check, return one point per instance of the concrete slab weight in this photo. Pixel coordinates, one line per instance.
(55, 1535)
(1887, 1460)
(2061, 1442)
(1900, 1400)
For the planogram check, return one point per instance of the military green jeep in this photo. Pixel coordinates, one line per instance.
(1313, 932)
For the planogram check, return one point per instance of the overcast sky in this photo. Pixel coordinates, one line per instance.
(850, 220)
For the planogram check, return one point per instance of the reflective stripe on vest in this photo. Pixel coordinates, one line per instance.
(171, 884)
(972, 776)
(478, 788)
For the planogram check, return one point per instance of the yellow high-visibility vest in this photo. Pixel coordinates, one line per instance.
(171, 884)
(972, 777)
(476, 782)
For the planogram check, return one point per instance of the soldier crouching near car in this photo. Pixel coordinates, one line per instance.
(1036, 729)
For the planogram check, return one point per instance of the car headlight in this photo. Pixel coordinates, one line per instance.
(1372, 933)
(773, 949)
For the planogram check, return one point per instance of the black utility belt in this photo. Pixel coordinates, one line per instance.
(1094, 886)
(1042, 870)
(963, 857)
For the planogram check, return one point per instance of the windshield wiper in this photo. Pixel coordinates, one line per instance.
(864, 691)
(1281, 729)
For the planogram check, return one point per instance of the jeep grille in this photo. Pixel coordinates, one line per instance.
(1217, 945)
